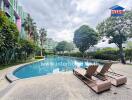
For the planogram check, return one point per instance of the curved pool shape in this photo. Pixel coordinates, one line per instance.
(50, 65)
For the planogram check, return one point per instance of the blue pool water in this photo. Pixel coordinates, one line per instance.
(50, 65)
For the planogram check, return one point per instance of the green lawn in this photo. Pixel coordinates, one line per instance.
(16, 63)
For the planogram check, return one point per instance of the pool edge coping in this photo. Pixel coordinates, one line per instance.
(11, 77)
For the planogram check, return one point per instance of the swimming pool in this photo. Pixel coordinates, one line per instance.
(50, 65)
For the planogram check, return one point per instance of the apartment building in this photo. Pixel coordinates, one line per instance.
(15, 13)
(50, 44)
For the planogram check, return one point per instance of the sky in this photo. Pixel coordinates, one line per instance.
(62, 17)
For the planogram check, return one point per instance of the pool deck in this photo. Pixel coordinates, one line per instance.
(63, 86)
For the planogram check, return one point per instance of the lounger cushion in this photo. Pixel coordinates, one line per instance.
(118, 80)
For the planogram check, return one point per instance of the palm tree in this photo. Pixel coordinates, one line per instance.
(31, 28)
(43, 34)
(27, 24)
(34, 33)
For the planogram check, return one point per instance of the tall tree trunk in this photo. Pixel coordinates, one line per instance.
(122, 56)
(41, 51)
(83, 55)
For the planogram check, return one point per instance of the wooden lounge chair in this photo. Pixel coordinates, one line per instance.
(94, 83)
(116, 79)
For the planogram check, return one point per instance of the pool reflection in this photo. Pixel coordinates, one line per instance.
(52, 64)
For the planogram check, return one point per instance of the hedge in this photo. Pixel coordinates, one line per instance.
(39, 57)
(104, 54)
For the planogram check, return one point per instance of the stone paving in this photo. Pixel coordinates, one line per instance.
(3, 81)
(65, 86)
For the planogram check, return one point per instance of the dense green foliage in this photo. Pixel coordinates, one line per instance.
(129, 51)
(64, 46)
(129, 54)
(26, 48)
(13, 49)
(8, 39)
(61, 46)
(84, 38)
(104, 54)
(129, 44)
(118, 30)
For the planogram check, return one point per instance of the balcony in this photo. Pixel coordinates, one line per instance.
(7, 11)
(8, 4)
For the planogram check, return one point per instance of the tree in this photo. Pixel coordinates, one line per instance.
(27, 47)
(28, 24)
(35, 34)
(85, 37)
(117, 30)
(69, 46)
(61, 46)
(64, 46)
(31, 28)
(43, 35)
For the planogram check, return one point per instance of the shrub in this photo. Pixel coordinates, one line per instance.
(39, 57)
(128, 54)
(104, 54)
(27, 46)
(45, 52)
(8, 40)
(76, 54)
(48, 53)
(12, 48)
